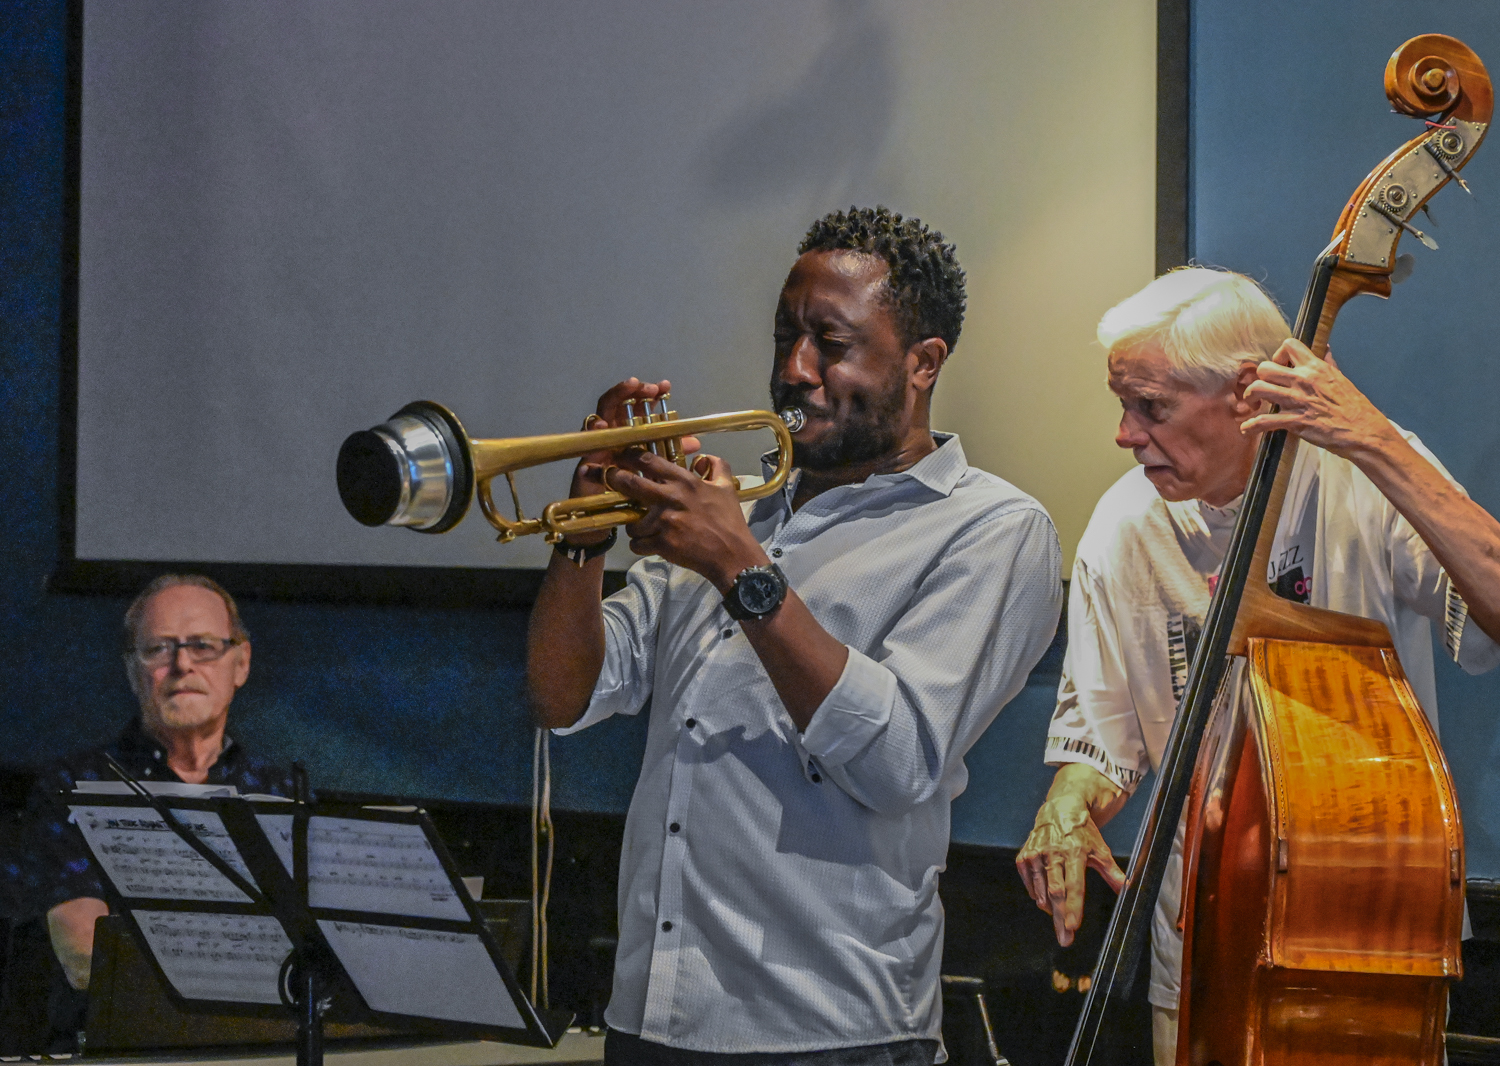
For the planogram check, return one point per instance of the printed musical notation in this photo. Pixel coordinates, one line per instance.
(225, 957)
(145, 858)
(442, 975)
(360, 865)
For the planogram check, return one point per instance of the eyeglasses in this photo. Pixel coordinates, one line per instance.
(199, 650)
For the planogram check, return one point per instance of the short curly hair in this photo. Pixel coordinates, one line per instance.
(925, 285)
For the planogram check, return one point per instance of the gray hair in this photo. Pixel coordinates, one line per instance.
(1207, 322)
(137, 607)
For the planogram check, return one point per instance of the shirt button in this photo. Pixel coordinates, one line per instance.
(776, 553)
(691, 722)
(728, 633)
(666, 927)
(817, 779)
(674, 827)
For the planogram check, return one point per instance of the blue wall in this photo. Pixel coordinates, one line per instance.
(425, 702)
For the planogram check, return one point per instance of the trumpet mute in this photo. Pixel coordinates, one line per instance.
(414, 470)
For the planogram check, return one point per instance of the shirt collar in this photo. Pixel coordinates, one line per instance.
(939, 470)
(135, 740)
(1216, 518)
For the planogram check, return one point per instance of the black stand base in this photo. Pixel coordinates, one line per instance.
(309, 1000)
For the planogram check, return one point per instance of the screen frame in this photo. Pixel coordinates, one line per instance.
(437, 586)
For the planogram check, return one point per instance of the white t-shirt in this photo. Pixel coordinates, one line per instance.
(1140, 592)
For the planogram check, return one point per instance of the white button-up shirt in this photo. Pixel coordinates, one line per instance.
(778, 891)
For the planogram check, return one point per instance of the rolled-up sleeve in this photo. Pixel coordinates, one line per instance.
(630, 620)
(893, 731)
(854, 713)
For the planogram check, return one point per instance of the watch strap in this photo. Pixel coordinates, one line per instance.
(580, 555)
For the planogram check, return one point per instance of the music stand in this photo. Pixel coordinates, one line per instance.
(260, 906)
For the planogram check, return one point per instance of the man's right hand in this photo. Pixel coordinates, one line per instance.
(588, 476)
(1066, 841)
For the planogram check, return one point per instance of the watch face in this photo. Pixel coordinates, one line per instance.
(759, 591)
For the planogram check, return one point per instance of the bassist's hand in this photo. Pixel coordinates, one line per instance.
(1066, 841)
(1319, 404)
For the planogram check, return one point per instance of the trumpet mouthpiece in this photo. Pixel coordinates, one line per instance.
(794, 417)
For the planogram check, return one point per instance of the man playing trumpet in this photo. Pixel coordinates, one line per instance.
(817, 664)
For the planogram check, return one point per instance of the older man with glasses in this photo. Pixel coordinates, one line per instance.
(186, 654)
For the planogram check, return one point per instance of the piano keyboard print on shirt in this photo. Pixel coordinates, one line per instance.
(1182, 642)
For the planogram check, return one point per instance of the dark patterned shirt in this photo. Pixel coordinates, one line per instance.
(55, 865)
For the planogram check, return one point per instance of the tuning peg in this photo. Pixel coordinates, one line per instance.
(1431, 221)
(1397, 220)
(1438, 151)
(1405, 264)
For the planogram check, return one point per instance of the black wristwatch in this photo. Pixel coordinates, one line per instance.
(756, 592)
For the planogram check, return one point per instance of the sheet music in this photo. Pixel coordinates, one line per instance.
(230, 957)
(278, 830)
(156, 788)
(420, 972)
(143, 857)
(359, 865)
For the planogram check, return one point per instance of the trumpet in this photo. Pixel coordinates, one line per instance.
(420, 469)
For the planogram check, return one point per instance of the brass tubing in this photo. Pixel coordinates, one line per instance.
(674, 444)
(495, 457)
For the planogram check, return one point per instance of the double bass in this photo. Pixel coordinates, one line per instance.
(1323, 868)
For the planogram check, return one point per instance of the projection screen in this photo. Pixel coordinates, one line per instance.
(294, 218)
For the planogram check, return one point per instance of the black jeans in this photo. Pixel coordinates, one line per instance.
(626, 1049)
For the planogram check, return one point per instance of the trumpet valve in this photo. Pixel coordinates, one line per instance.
(674, 444)
(663, 448)
(649, 417)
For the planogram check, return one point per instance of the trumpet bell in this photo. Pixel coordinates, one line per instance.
(415, 470)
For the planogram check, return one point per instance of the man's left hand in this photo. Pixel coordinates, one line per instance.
(1318, 403)
(694, 518)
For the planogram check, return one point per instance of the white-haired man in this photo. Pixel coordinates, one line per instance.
(186, 655)
(1191, 357)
